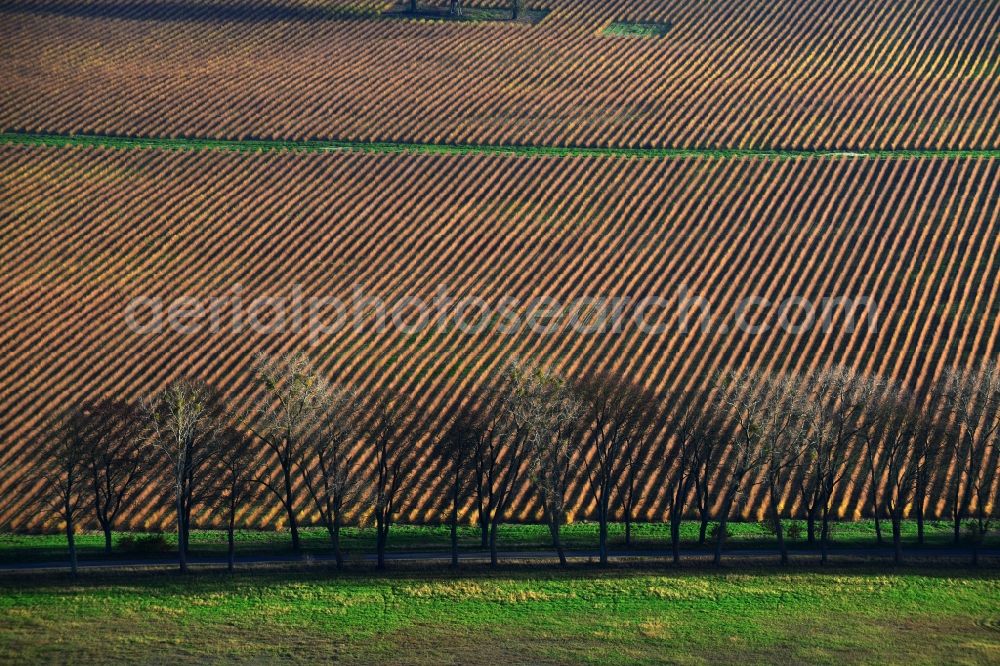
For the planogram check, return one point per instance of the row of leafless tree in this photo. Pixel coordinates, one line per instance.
(797, 443)
(455, 7)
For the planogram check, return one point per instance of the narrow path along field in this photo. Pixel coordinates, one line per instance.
(536, 616)
(737, 559)
(268, 145)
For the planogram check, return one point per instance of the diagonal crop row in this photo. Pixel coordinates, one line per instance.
(850, 75)
(86, 230)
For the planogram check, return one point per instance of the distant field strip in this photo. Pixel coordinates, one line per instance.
(86, 229)
(262, 145)
(852, 75)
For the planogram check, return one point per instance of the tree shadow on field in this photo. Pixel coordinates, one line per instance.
(181, 11)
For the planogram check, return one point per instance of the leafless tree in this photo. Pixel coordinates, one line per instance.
(985, 511)
(781, 444)
(115, 458)
(689, 427)
(896, 419)
(973, 399)
(629, 485)
(235, 455)
(634, 459)
(615, 410)
(742, 397)
(456, 450)
(501, 450)
(330, 465)
(954, 458)
(544, 407)
(63, 473)
(290, 407)
(487, 422)
(835, 404)
(388, 432)
(870, 435)
(932, 433)
(707, 453)
(879, 399)
(185, 422)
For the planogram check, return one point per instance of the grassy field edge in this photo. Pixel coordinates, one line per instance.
(531, 616)
(272, 145)
(358, 541)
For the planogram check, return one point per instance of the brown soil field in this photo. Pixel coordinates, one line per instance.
(85, 230)
(784, 74)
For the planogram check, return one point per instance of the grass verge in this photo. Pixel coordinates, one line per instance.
(356, 541)
(576, 616)
(267, 145)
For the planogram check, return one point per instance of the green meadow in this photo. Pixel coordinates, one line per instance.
(533, 615)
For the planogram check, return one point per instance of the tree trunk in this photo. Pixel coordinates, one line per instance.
(603, 535)
(919, 508)
(232, 540)
(71, 545)
(484, 530)
(187, 529)
(454, 528)
(824, 537)
(956, 512)
(628, 529)
(811, 527)
(977, 539)
(703, 529)
(413, 6)
(181, 549)
(107, 537)
(675, 536)
(493, 545)
(720, 537)
(557, 542)
(878, 524)
(897, 541)
(720, 530)
(380, 538)
(779, 529)
(293, 523)
(453, 8)
(337, 554)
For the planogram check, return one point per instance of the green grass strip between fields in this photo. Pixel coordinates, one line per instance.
(578, 616)
(266, 145)
(579, 536)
